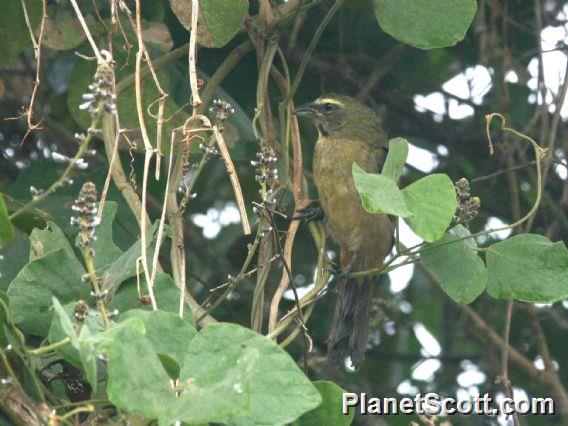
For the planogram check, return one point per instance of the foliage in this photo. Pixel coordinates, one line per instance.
(123, 305)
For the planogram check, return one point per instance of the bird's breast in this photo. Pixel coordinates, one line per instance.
(347, 221)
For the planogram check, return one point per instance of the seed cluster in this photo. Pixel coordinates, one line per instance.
(468, 206)
(266, 173)
(221, 110)
(101, 91)
(87, 220)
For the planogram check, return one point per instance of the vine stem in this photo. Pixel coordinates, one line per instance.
(233, 177)
(504, 379)
(90, 264)
(64, 177)
(195, 98)
(87, 32)
(50, 348)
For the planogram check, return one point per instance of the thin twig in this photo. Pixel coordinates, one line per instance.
(96, 50)
(233, 177)
(37, 53)
(195, 98)
(504, 378)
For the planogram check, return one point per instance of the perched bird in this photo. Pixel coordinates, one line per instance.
(349, 132)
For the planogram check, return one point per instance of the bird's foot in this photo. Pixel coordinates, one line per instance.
(310, 213)
(338, 272)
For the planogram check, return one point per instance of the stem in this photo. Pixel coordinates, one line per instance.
(233, 177)
(50, 348)
(233, 284)
(63, 178)
(89, 262)
(195, 99)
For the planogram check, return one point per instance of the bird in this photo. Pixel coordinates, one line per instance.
(349, 132)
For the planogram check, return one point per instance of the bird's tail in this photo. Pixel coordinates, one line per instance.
(350, 327)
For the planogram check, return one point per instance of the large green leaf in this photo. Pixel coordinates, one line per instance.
(137, 382)
(87, 354)
(329, 412)
(218, 21)
(18, 253)
(166, 292)
(57, 332)
(82, 346)
(65, 322)
(396, 158)
(55, 274)
(280, 392)
(169, 334)
(63, 30)
(426, 23)
(379, 193)
(125, 266)
(226, 372)
(44, 241)
(528, 267)
(15, 34)
(432, 203)
(6, 229)
(106, 251)
(461, 271)
(17, 357)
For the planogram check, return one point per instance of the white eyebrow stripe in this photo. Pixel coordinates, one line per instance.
(329, 101)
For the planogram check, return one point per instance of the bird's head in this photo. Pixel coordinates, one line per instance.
(334, 114)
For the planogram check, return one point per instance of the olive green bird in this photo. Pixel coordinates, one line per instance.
(349, 132)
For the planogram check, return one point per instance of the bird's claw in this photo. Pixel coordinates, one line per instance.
(338, 272)
(309, 213)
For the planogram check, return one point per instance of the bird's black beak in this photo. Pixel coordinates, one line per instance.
(307, 110)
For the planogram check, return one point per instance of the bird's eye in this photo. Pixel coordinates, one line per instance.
(329, 107)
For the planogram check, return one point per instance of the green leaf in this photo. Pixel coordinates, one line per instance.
(81, 347)
(165, 290)
(44, 241)
(226, 372)
(88, 356)
(396, 158)
(528, 267)
(461, 271)
(426, 24)
(137, 382)
(64, 322)
(169, 334)
(125, 266)
(329, 412)
(15, 34)
(11, 335)
(103, 339)
(18, 253)
(379, 194)
(106, 251)
(6, 229)
(63, 30)
(69, 353)
(280, 392)
(432, 202)
(218, 21)
(55, 274)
